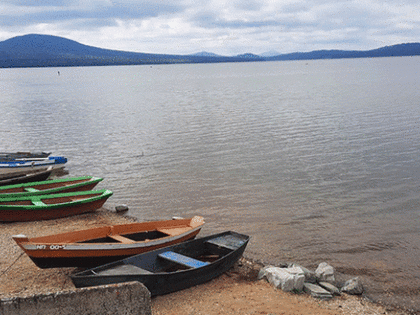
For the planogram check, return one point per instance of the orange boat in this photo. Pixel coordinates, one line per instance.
(98, 246)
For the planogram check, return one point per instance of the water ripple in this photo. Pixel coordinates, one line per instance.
(317, 162)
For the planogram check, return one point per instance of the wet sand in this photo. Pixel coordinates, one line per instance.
(236, 292)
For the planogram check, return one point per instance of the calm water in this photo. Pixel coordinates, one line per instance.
(317, 161)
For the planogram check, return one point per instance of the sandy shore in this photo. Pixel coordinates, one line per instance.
(236, 292)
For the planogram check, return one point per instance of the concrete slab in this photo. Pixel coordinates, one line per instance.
(130, 298)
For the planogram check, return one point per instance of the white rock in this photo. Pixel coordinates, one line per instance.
(316, 291)
(287, 279)
(121, 208)
(353, 286)
(330, 288)
(309, 275)
(325, 273)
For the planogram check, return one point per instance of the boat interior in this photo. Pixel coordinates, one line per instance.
(43, 186)
(171, 260)
(46, 201)
(127, 238)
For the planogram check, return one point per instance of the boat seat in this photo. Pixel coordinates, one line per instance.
(182, 260)
(231, 243)
(175, 230)
(121, 239)
(30, 189)
(38, 203)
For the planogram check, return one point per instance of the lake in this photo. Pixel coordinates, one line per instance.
(315, 160)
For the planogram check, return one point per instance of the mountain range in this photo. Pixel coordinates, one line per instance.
(34, 50)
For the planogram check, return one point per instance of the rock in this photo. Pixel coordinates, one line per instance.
(309, 275)
(353, 286)
(316, 291)
(263, 272)
(287, 279)
(121, 208)
(325, 273)
(330, 288)
(298, 277)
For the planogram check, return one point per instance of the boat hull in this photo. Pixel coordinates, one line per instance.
(26, 178)
(51, 206)
(12, 168)
(157, 281)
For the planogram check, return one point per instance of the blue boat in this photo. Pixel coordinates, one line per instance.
(27, 166)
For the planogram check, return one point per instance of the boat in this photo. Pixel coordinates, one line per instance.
(52, 206)
(23, 155)
(172, 268)
(101, 245)
(54, 186)
(19, 167)
(26, 178)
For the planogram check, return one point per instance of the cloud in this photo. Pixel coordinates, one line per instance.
(101, 12)
(225, 27)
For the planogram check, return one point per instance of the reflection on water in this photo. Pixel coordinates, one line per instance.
(317, 161)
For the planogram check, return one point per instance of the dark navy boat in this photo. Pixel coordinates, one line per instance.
(172, 268)
(26, 178)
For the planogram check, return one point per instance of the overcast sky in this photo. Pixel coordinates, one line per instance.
(223, 27)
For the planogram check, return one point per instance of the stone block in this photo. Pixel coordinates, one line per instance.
(309, 275)
(131, 298)
(353, 286)
(330, 288)
(316, 291)
(325, 273)
(287, 279)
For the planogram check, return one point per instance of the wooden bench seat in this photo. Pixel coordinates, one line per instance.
(174, 231)
(38, 203)
(230, 243)
(182, 260)
(30, 189)
(121, 239)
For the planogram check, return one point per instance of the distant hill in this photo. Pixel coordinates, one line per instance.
(250, 56)
(411, 49)
(270, 53)
(35, 50)
(205, 54)
(51, 51)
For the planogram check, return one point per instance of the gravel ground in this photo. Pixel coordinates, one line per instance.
(236, 292)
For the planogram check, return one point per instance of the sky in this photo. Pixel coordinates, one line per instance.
(222, 27)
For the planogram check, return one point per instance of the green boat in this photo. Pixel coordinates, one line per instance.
(53, 206)
(54, 186)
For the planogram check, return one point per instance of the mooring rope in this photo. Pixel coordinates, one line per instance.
(21, 254)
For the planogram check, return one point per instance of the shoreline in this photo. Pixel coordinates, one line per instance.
(236, 292)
